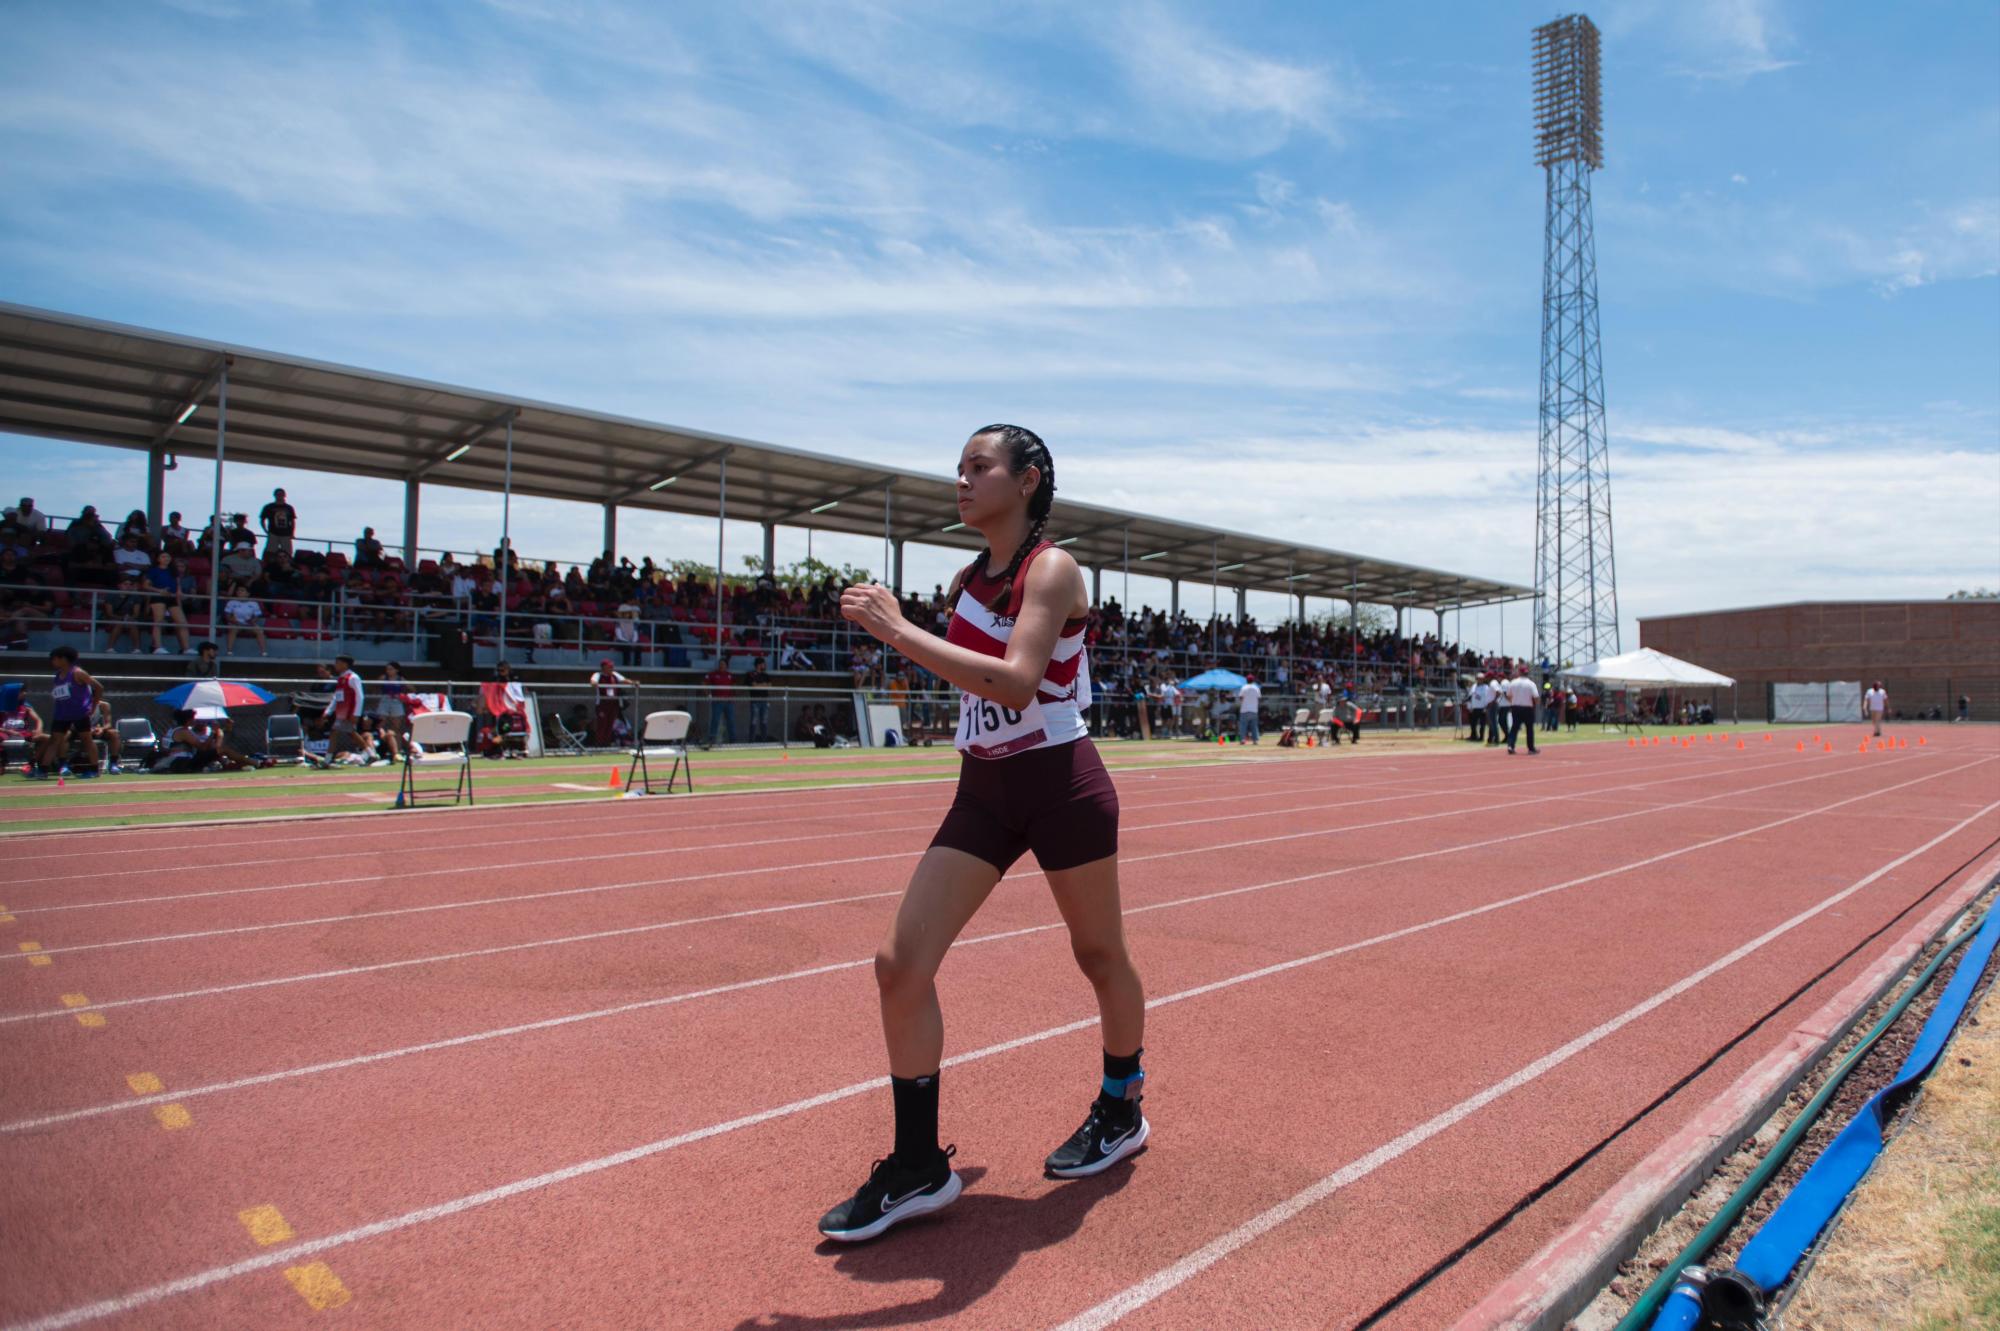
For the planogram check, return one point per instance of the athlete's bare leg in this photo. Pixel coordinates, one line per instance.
(1087, 896)
(944, 892)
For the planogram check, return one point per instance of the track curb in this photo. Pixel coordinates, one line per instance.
(1566, 1274)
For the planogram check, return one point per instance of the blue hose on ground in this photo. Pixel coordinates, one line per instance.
(1737, 1298)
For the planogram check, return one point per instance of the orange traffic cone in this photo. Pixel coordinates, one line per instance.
(1902, 743)
(1631, 743)
(1802, 746)
(614, 778)
(1921, 741)
(1739, 743)
(1829, 746)
(1768, 738)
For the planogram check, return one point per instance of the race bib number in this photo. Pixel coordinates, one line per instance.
(60, 692)
(988, 730)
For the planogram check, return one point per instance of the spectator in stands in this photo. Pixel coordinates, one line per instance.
(757, 684)
(130, 556)
(503, 715)
(1249, 699)
(280, 522)
(793, 657)
(614, 694)
(135, 524)
(1964, 707)
(462, 582)
(104, 730)
(625, 632)
(163, 605)
(123, 612)
(237, 535)
(174, 537)
(241, 564)
(89, 561)
(29, 518)
(204, 665)
(722, 705)
(244, 613)
(15, 540)
(367, 550)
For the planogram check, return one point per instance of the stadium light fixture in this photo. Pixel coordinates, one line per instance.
(831, 503)
(1068, 540)
(1226, 568)
(956, 526)
(458, 453)
(1296, 576)
(186, 412)
(1157, 554)
(663, 484)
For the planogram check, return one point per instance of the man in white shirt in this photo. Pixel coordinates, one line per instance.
(1170, 705)
(1521, 698)
(1875, 705)
(1477, 700)
(1248, 699)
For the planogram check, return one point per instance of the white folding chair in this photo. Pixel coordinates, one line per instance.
(1326, 727)
(663, 736)
(444, 738)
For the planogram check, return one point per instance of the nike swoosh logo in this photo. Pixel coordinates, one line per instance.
(1106, 1148)
(891, 1203)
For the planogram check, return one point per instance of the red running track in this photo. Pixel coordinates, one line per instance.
(591, 1067)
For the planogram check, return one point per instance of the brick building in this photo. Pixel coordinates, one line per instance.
(1926, 653)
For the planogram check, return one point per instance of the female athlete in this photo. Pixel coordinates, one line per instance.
(1029, 779)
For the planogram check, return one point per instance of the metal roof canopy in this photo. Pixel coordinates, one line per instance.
(88, 381)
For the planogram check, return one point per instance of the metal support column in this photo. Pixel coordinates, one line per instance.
(611, 533)
(412, 514)
(156, 488)
(721, 512)
(215, 537)
(889, 570)
(896, 567)
(506, 559)
(1097, 586)
(770, 548)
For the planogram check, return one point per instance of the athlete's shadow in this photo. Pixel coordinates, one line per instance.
(969, 1247)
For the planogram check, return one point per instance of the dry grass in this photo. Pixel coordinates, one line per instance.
(1919, 1247)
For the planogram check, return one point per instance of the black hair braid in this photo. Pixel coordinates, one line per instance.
(1025, 449)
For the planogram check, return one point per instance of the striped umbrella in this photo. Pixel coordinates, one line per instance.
(202, 693)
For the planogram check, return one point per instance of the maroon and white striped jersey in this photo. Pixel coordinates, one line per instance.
(1056, 714)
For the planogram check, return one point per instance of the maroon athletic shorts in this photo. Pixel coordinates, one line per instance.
(1058, 802)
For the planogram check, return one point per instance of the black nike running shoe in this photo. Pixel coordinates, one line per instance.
(894, 1192)
(1114, 1130)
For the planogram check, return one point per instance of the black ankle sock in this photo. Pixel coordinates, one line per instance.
(916, 1101)
(1121, 1067)
(1123, 1079)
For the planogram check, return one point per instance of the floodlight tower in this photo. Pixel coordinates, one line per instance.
(1576, 615)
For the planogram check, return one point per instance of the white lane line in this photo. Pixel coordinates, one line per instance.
(1139, 1295)
(861, 796)
(441, 957)
(638, 884)
(677, 848)
(668, 1000)
(292, 1252)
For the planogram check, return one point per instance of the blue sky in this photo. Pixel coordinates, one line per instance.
(1271, 266)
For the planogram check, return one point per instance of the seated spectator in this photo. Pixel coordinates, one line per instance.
(243, 613)
(136, 524)
(27, 517)
(124, 612)
(21, 724)
(205, 665)
(104, 730)
(793, 657)
(194, 745)
(625, 633)
(175, 538)
(237, 535)
(15, 540)
(503, 715)
(242, 565)
(163, 605)
(88, 561)
(131, 556)
(367, 550)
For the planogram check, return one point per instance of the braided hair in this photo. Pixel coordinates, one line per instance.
(1024, 449)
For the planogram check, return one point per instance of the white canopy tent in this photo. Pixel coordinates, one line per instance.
(1648, 669)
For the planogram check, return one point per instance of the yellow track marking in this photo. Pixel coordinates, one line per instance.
(173, 1116)
(39, 960)
(94, 1020)
(144, 1083)
(266, 1226)
(318, 1286)
(75, 1000)
(28, 947)
(6, 919)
